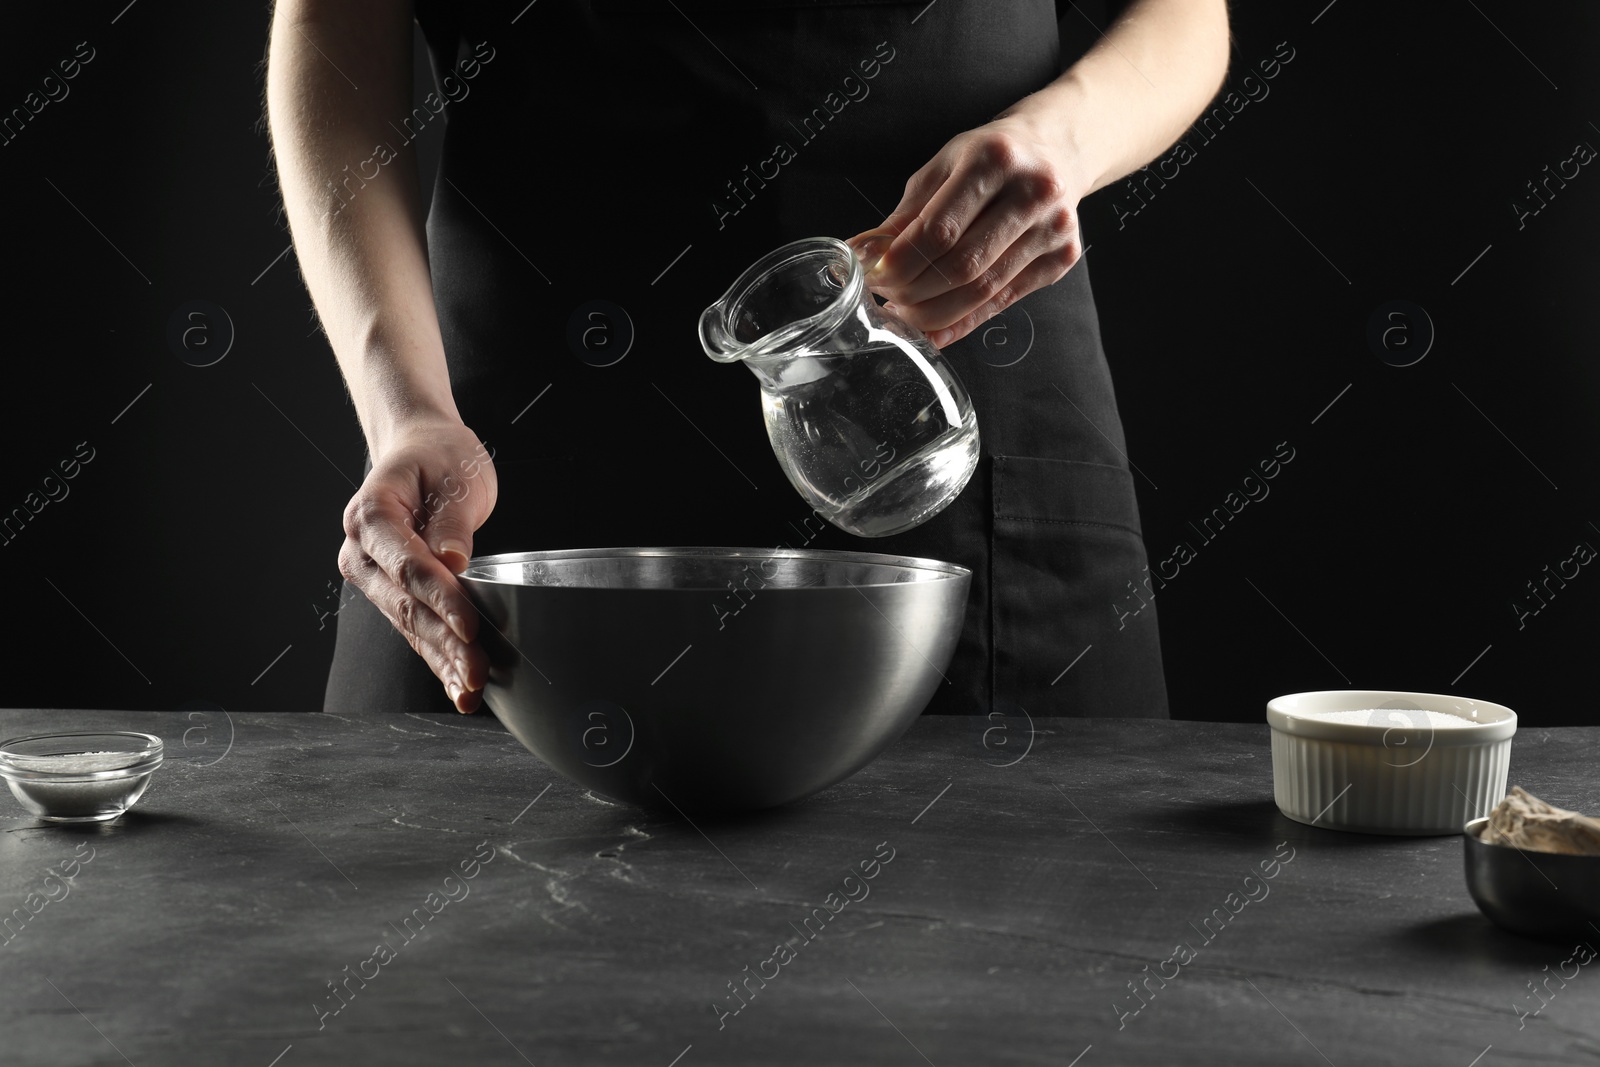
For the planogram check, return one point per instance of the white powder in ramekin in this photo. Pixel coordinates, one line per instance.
(1400, 718)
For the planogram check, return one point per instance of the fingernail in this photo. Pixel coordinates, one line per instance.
(941, 338)
(458, 624)
(870, 251)
(461, 672)
(455, 692)
(455, 548)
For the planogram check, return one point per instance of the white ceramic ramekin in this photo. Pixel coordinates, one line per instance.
(1393, 774)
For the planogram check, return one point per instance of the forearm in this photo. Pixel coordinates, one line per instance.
(1135, 92)
(338, 74)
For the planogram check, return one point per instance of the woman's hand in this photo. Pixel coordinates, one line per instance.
(992, 217)
(408, 533)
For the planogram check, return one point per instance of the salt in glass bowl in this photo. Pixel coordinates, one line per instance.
(80, 777)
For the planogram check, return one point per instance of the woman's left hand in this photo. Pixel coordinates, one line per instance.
(992, 217)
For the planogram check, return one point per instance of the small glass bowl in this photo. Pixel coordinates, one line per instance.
(84, 777)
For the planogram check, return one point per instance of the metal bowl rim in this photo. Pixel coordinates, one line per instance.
(941, 568)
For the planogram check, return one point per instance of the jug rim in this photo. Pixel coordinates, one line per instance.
(719, 342)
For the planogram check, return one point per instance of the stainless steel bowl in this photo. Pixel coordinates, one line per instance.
(713, 678)
(1541, 894)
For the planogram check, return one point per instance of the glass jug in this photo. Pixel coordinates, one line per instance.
(868, 420)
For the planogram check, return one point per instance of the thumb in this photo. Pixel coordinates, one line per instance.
(450, 537)
(870, 245)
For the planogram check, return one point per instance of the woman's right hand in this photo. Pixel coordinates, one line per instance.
(408, 533)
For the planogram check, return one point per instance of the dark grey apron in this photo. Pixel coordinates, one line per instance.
(622, 158)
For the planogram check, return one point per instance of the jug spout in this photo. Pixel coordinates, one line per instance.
(716, 337)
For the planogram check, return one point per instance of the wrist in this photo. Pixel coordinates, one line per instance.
(400, 384)
(397, 400)
(1055, 117)
(395, 422)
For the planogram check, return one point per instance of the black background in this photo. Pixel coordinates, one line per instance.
(196, 550)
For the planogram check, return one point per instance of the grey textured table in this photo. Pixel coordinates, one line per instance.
(1016, 905)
